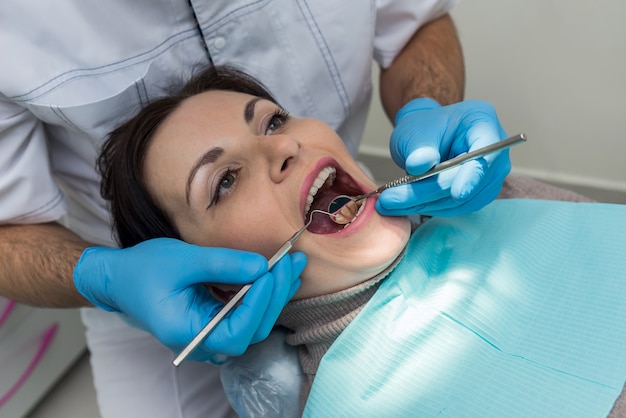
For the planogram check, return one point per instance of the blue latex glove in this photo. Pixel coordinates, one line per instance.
(158, 285)
(425, 134)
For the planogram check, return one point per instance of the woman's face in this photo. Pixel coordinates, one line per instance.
(233, 170)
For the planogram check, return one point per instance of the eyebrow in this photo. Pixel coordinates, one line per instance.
(214, 153)
(207, 158)
(248, 111)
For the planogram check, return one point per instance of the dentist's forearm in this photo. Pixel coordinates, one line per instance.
(430, 65)
(37, 265)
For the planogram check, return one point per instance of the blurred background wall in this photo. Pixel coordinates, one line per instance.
(554, 69)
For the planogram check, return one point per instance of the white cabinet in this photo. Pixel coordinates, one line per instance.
(37, 346)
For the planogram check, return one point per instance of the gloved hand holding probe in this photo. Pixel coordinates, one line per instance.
(426, 134)
(158, 286)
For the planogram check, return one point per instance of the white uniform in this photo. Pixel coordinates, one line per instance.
(74, 69)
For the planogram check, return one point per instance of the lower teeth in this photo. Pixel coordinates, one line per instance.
(347, 213)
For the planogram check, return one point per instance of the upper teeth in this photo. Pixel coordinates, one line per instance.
(327, 174)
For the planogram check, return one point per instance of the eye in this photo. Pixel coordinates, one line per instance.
(227, 181)
(225, 185)
(276, 121)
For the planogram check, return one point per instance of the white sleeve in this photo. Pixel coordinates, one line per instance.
(28, 193)
(398, 20)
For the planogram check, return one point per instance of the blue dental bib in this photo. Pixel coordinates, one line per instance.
(518, 310)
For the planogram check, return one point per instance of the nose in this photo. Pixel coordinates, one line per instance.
(282, 152)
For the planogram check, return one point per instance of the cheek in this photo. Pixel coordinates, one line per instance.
(252, 229)
(317, 134)
(227, 230)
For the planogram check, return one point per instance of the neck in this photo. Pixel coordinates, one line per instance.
(316, 322)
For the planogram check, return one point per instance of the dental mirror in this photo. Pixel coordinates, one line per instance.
(338, 203)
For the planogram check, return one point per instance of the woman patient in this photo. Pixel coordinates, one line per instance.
(222, 164)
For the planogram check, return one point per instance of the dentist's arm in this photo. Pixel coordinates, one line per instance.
(427, 74)
(158, 285)
(37, 264)
(430, 65)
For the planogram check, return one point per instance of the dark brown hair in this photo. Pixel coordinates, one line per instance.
(135, 215)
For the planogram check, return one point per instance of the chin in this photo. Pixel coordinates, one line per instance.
(340, 261)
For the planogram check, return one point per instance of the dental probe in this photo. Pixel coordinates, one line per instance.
(340, 201)
(284, 249)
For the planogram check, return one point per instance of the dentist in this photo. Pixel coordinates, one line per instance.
(74, 70)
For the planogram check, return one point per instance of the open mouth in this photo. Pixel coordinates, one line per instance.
(330, 183)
